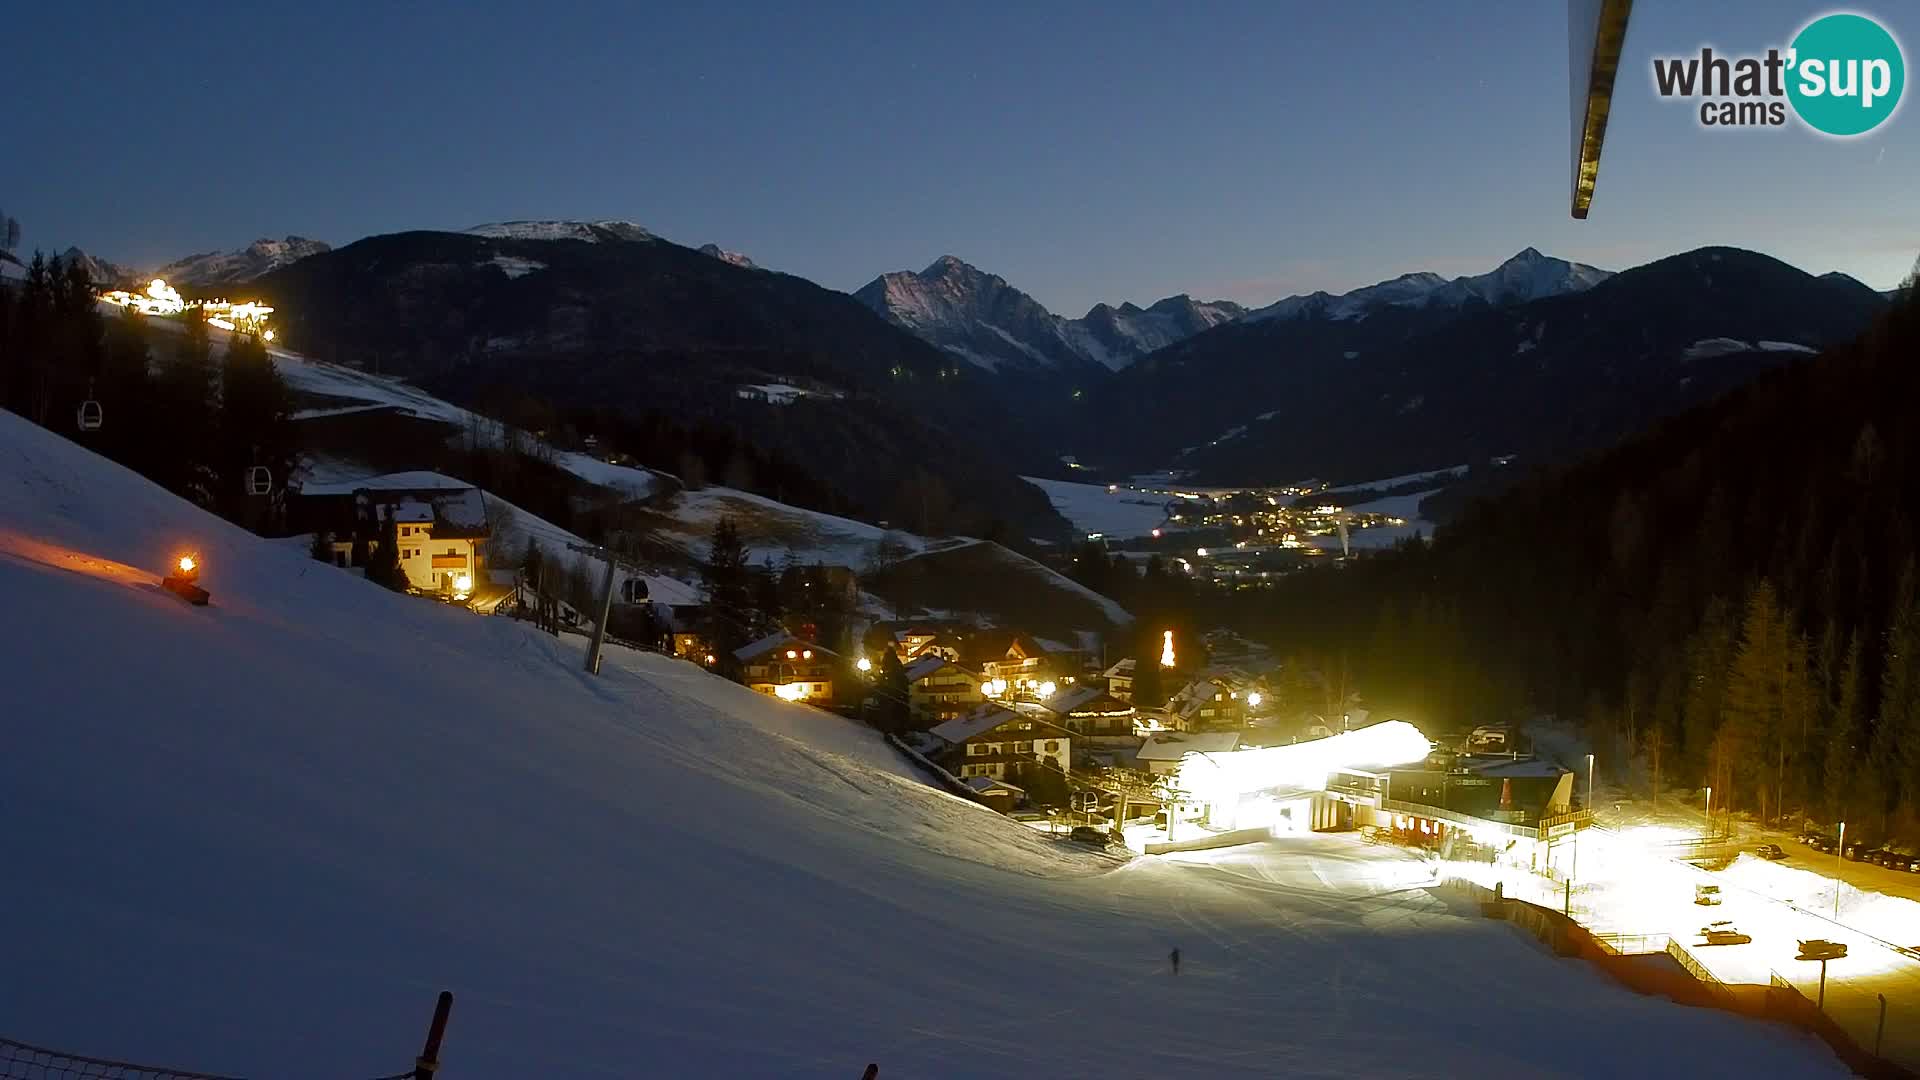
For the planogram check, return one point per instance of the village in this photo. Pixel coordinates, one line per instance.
(1203, 743)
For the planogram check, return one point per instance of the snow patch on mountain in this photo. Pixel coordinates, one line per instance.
(731, 257)
(592, 232)
(513, 266)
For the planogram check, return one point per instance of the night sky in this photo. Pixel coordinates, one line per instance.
(1087, 152)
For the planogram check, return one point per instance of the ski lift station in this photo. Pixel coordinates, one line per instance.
(1381, 777)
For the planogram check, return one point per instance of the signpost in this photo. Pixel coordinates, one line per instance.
(1822, 951)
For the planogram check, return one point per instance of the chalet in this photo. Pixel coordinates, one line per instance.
(1093, 715)
(788, 668)
(441, 525)
(1030, 663)
(939, 690)
(913, 642)
(1120, 679)
(1205, 703)
(995, 742)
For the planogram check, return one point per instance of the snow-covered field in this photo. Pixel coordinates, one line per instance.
(769, 529)
(1406, 507)
(277, 825)
(1122, 514)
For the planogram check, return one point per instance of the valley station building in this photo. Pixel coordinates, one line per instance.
(1505, 809)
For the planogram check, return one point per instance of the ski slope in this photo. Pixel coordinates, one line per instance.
(255, 839)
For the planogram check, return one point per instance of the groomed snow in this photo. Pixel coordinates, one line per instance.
(278, 825)
(1122, 514)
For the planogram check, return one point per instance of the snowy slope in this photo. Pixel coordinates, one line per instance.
(361, 391)
(512, 525)
(287, 819)
(1121, 514)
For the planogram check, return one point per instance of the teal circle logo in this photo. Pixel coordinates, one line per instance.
(1845, 74)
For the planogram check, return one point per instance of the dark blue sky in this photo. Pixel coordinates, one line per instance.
(1087, 152)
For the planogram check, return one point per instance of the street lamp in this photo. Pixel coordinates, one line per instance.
(1709, 809)
(1589, 782)
(1838, 850)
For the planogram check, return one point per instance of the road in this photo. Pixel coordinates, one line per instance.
(1686, 818)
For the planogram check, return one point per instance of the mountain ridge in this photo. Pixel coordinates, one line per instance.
(983, 319)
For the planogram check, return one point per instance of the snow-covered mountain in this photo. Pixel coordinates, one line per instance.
(263, 256)
(1527, 276)
(979, 317)
(593, 232)
(100, 270)
(1118, 336)
(725, 256)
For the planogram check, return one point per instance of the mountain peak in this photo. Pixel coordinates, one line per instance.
(979, 317)
(947, 265)
(263, 256)
(733, 258)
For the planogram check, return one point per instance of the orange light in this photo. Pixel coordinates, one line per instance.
(186, 564)
(791, 655)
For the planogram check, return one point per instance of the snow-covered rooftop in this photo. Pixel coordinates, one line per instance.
(1172, 746)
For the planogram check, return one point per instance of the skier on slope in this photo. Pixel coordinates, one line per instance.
(1175, 957)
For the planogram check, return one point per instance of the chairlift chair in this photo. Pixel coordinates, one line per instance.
(259, 480)
(88, 415)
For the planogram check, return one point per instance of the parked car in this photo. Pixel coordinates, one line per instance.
(1855, 852)
(1770, 851)
(1897, 860)
(1824, 845)
(1706, 895)
(1810, 837)
(1821, 949)
(1087, 834)
(1723, 933)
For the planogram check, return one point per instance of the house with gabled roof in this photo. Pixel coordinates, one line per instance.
(939, 690)
(1095, 715)
(789, 668)
(994, 741)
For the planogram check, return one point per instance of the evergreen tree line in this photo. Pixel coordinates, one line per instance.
(1728, 600)
(192, 422)
(746, 602)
